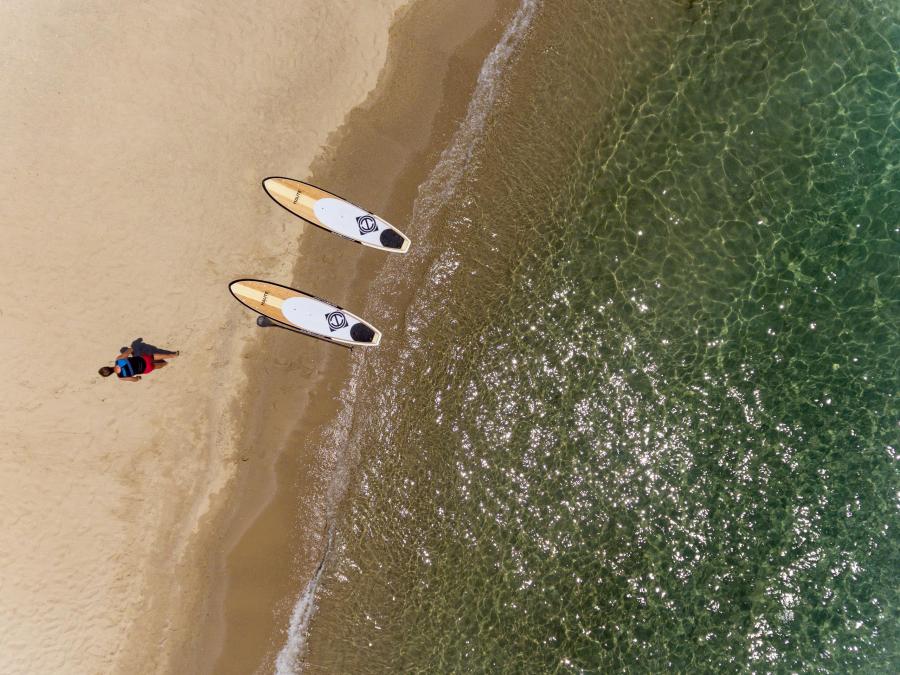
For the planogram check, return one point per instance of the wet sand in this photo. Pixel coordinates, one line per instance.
(271, 541)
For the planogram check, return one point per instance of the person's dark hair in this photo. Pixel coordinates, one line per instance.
(106, 371)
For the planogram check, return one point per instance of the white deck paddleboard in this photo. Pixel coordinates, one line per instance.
(306, 313)
(337, 215)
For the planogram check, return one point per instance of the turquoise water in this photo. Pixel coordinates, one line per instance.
(652, 425)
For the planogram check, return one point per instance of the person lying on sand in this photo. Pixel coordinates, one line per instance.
(131, 368)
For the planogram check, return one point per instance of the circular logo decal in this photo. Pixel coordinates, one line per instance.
(366, 224)
(336, 320)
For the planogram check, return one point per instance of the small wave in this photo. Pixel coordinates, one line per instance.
(440, 186)
(286, 663)
(444, 178)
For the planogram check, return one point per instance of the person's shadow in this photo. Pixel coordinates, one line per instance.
(140, 348)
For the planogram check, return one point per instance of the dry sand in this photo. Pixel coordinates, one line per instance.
(134, 138)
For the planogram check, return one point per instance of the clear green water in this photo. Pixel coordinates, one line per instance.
(654, 425)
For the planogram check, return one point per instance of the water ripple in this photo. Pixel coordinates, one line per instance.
(652, 425)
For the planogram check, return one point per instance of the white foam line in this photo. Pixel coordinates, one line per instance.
(288, 659)
(433, 193)
(444, 178)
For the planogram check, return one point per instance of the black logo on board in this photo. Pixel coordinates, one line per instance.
(366, 224)
(336, 320)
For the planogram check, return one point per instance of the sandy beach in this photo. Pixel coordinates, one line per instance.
(134, 143)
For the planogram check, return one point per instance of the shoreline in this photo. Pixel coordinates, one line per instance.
(270, 557)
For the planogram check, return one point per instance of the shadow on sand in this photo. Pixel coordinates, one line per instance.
(140, 348)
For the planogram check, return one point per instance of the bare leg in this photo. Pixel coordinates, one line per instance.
(159, 364)
(162, 357)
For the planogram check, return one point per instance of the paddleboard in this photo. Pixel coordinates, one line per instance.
(334, 214)
(304, 312)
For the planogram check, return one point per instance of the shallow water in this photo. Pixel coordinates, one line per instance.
(643, 415)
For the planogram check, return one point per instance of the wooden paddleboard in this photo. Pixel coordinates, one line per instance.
(304, 312)
(335, 214)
